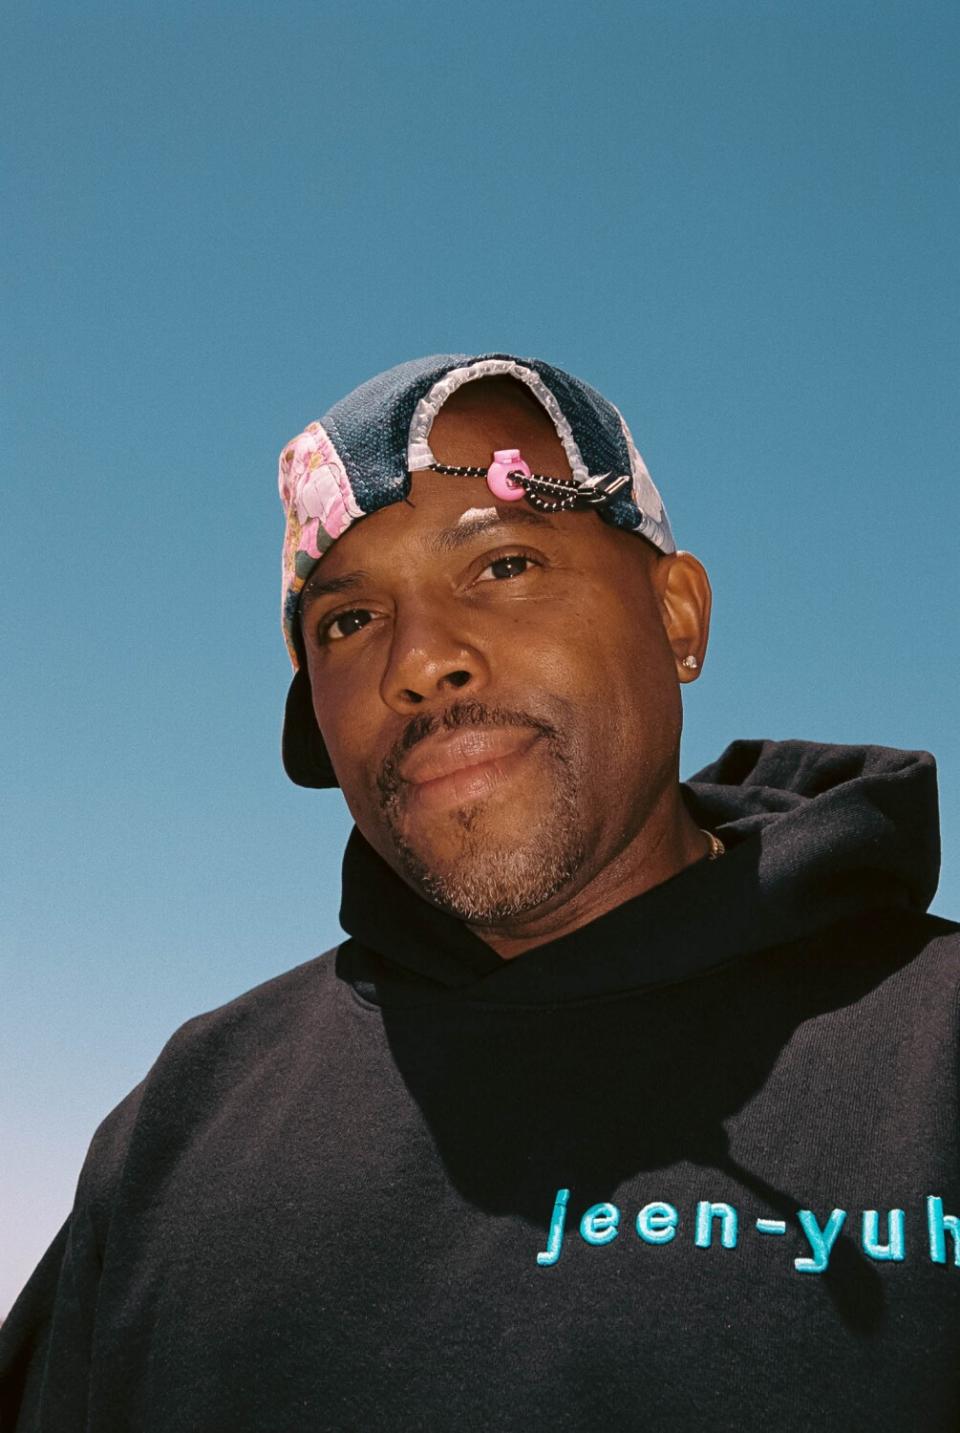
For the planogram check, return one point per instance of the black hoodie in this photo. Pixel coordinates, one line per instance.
(693, 1166)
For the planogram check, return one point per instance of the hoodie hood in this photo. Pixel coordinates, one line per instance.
(815, 835)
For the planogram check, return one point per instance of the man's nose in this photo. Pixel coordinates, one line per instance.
(430, 660)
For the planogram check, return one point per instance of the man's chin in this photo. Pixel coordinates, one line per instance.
(490, 896)
(445, 834)
(486, 874)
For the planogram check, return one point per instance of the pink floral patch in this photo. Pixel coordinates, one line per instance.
(321, 496)
(320, 506)
(314, 482)
(308, 538)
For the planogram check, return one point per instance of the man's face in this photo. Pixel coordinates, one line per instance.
(496, 690)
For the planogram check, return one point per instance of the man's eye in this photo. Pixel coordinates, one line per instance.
(344, 624)
(513, 565)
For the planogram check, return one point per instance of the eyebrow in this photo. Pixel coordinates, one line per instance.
(315, 588)
(448, 539)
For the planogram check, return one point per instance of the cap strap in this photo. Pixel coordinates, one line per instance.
(549, 494)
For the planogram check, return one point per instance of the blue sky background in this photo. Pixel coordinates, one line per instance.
(739, 220)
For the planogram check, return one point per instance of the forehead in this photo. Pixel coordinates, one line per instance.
(446, 518)
(442, 514)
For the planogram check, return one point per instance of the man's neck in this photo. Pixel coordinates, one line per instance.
(669, 841)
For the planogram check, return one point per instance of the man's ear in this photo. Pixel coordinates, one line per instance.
(683, 592)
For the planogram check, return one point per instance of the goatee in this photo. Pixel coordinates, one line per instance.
(489, 883)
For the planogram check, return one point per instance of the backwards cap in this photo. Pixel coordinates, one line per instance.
(358, 458)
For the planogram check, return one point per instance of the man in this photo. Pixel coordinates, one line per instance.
(625, 1104)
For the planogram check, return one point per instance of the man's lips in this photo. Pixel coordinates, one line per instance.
(438, 756)
(460, 766)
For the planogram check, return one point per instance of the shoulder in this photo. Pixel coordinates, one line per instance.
(897, 937)
(929, 947)
(896, 931)
(907, 933)
(270, 1025)
(895, 965)
(215, 1056)
(295, 997)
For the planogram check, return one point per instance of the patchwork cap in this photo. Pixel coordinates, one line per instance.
(358, 458)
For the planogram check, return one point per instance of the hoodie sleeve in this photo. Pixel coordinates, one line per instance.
(46, 1342)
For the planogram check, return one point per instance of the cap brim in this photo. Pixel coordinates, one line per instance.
(305, 758)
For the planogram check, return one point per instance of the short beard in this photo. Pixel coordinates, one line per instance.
(490, 884)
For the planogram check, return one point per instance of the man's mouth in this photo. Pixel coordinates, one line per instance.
(453, 768)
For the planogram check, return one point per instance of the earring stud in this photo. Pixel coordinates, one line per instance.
(690, 662)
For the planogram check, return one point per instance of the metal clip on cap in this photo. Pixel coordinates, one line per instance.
(601, 489)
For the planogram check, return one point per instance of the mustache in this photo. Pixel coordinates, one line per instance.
(461, 714)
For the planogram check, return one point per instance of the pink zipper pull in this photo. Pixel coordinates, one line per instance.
(506, 460)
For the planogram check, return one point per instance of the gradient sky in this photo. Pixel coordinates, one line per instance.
(738, 220)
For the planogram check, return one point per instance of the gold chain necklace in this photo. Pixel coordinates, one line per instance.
(717, 848)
